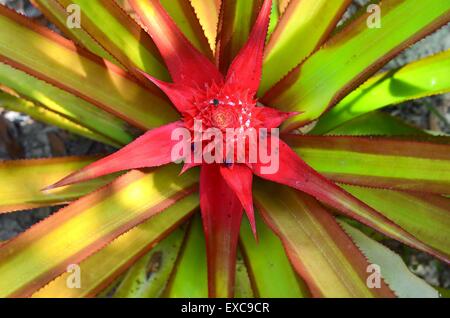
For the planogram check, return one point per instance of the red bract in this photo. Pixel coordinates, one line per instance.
(201, 92)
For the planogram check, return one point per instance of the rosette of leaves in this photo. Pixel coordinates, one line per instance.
(135, 227)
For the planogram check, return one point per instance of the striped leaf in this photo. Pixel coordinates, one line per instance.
(40, 254)
(190, 276)
(145, 279)
(319, 250)
(41, 113)
(44, 54)
(120, 36)
(271, 273)
(378, 162)
(21, 182)
(184, 15)
(303, 27)
(425, 216)
(376, 123)
(426, 77)
(59, 16)
(207, 12)
(353, 55)
(65, 104)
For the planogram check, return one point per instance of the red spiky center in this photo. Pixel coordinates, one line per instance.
(221, 107)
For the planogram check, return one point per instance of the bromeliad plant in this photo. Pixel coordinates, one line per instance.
(247, 65)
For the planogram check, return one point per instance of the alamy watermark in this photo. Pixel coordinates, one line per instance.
(374, 279)
(73, 280)
(73, 20)
(374, 18)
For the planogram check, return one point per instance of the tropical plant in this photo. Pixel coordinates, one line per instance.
(357, 174)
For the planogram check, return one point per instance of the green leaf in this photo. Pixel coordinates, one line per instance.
(325, 257)
(190, 277)
(207, 12)
(40, 254)
(443, 292)
(121, 36)
(271, 272)
(58, 15)
(378, 162)
(427, 217)
(303, 28)
(392, 269)
(148, 277)
(183, 14)
(46, 55)
(274, 17)
(40, 113)
(351, 56)
(426, 77)
(21, 182)
(65, 104)
(243, 286)
(376, 123)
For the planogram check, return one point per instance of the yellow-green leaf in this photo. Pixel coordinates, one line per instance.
(391, 163)
(266, 260)
(21, 182)
(60, 15)
(208, 14)
(236, 22)
(303, 27)
(100, 269)
(425, 216)
(319, 250)
(40, 254)
(67, 105)
(352, 55)
(426, 77)
(120, 35)
(48, 56)
(190, 276)
(41, 113)
(182, 12)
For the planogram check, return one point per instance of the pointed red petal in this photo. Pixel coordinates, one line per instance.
(294, 172)
(271, 117)
(221, 214)
(150, 150)
(183, 60)
(239, 178)
(179, 95)
(246, 68)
